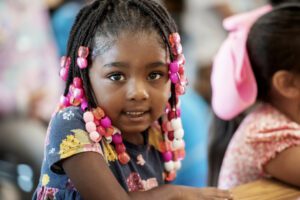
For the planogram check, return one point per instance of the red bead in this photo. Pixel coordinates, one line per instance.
(101, 130)
(109, 131)
(123, 158)
(120, 148)
(171, 176)
(180, 90)
(171, 115)
(98, 113)
(171, 135)
(181, 70)
(77, 82)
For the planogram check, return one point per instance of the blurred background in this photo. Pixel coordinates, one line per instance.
(33, 36)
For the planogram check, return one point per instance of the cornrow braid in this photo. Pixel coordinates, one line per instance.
(82, 35)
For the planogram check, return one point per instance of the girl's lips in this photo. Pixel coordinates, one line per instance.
(136, 116)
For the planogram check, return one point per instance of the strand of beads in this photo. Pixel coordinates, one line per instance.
(176, 68)
(75, 97)
(173, 150)
(98, 125)
(65, 63)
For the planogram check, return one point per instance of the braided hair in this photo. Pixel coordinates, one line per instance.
(107, 19)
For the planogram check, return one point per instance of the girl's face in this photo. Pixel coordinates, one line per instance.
(130, 81)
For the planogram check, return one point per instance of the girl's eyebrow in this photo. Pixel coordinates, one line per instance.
(117, 64)
(125, 64)
(156, 64)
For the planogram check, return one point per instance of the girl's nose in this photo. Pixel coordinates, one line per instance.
(137, 91)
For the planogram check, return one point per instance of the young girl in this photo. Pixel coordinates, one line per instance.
(265, 70)
(118, 130)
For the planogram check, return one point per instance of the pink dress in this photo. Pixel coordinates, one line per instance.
(263, 134)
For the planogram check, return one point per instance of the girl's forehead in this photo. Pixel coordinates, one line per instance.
(128, 43)
(103, 43)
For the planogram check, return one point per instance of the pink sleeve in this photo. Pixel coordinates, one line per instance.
(269, 143)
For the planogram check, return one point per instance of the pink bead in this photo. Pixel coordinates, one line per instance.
(180, 59)
(174, 78)
(88, 117)
(117, 138)
(77, 82)
(71, 89)
(178, 111)
(95, 136)
(63, 73)
(177, 49)
(174, 39)
(65, 62)
(180, 90)
(183, 80)
(167, 156)
(101, 130)
(81, 62)
(83, 52)
(78, 93)
(90, 127)
(169, 126)
(105, 122)
(174, 67)
(65, 101)
(84, 105)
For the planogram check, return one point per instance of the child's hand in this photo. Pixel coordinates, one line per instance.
(208, 193)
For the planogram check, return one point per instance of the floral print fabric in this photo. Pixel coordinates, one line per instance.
(263, 134)
(67, 136)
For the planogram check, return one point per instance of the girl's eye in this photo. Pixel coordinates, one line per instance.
(155, 76)
(116, 77)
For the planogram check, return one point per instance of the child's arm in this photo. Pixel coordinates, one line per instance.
(94, 180)
(286, 166)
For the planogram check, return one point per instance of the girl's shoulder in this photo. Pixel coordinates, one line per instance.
(266, 123)
(67, 136)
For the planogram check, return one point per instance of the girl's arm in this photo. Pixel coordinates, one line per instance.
(94, 180)
(286, 166)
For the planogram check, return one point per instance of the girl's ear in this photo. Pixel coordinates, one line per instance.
(286, 84)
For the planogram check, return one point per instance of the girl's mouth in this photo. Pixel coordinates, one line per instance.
(134, 114)
(137, 115)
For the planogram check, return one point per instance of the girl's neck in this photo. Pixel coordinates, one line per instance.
(134, 138)
(289, 107)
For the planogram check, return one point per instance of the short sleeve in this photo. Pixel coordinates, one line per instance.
(270, 142)
(67, 137)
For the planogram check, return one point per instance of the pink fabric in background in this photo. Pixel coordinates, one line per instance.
(233, 83)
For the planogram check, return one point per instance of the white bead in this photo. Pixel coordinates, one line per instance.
(177, 143)
(95, 136)
(177, 165)
(116, 130)
(176, 124)
(108, 139)
(179, 133)
(169, 166)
